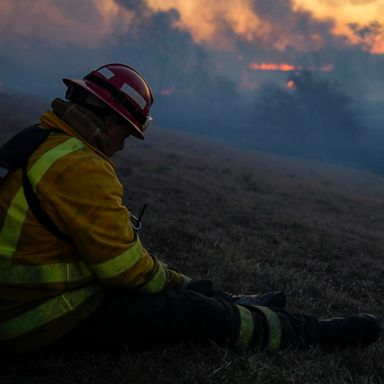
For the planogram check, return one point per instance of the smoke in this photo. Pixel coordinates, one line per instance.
(294, 28)
(211, 64)
(87, 23)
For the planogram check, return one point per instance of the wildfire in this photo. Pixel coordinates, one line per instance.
(291, 84)
(285, 67)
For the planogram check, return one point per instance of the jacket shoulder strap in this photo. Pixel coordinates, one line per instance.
(15, 154)
(17, 150)
(38, 211)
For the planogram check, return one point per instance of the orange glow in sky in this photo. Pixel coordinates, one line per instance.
(216, 23)
(205, 19)
(345, 12)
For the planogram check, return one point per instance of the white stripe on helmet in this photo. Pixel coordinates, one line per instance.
(106, 73)
(132, 93)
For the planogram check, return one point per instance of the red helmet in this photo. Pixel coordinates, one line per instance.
(123, 89)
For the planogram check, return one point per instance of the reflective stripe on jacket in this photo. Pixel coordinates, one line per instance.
(43, 279)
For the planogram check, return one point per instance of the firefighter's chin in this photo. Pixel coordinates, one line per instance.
(113, 148)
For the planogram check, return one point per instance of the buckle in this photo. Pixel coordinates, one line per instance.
(136, 220)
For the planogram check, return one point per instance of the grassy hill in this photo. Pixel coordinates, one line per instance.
(250, 222)
(18, 110)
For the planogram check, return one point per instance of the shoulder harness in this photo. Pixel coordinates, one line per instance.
(15, 154)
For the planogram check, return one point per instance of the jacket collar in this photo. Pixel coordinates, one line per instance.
(82, 126)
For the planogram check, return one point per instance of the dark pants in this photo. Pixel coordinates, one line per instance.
(124, 318)
(127, 319)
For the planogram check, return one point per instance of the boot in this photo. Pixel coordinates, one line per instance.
(354, 331)
(275, 299)
(283, 329)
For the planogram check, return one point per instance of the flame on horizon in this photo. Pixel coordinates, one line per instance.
(285, 67)
(291, 84)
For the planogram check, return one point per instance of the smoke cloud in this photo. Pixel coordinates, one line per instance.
(86, 23)
(213, 64)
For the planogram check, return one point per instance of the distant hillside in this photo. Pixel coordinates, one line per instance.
(18, 110)
(250, 222)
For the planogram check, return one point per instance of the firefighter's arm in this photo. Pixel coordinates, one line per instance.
(88, 205)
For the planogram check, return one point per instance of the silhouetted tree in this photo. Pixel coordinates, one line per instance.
(312, 115)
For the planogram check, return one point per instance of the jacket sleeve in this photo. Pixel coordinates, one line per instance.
(87, 203)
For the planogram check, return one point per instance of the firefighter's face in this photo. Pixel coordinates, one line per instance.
(117, 129)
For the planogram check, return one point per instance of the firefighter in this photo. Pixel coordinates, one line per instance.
(73, 269)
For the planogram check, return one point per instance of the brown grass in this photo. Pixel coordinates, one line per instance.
(251, 223)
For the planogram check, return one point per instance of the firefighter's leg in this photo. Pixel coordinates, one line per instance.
(141, 319)
(131, 319)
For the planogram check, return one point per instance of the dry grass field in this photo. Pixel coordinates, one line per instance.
(250, 222)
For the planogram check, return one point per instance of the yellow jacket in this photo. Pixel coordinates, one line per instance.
(46, 285)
